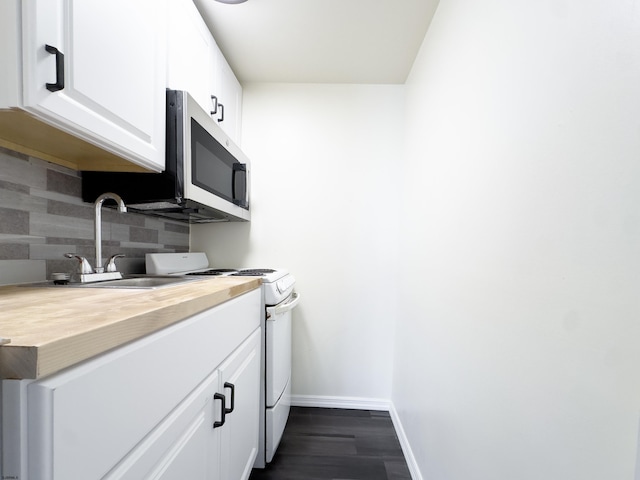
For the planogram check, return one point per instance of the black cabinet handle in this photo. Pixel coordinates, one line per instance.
(214, 99)
(223, 413)
(59, 85)
(221, 119)
(233, 396)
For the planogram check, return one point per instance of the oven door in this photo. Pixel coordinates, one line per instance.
(278, 372)
(278, 348)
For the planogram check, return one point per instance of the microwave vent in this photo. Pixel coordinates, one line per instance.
(207, 217)
(153, 206)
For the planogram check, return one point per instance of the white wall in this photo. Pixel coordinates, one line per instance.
(518, 346)
(324, 206)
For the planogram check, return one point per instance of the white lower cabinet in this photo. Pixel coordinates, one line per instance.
(185, 445)
(240, 378)
(182, 403)
(198, 441)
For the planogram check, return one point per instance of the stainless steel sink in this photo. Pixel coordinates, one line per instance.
(132, 281)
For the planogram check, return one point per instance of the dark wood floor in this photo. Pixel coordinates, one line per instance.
(336, 444)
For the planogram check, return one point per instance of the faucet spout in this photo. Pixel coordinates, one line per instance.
(98, 224)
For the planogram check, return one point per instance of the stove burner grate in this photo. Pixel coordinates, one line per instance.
(213, 271)
(252, 272)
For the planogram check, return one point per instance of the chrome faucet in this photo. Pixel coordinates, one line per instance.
(98, 273)
(98, 224)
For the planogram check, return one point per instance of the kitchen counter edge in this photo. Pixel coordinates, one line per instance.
(54, 328)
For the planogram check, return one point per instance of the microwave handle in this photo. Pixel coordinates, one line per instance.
(247, 186)
(240, 167)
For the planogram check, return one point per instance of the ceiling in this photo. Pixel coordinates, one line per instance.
(320, 41)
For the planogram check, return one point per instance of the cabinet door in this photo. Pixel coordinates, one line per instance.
(229, 93)
(185, 445)
(240, 376)
(113, 72)
(190, 53)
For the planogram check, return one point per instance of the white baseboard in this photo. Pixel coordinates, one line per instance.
(404, 444)
(358, 403)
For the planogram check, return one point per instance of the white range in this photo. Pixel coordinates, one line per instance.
(279, 299)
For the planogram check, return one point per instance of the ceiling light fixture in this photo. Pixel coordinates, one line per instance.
(233, 2)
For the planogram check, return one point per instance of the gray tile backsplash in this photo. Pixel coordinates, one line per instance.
(42, 216)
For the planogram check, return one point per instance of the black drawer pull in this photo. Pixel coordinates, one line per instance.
(59, 85)
(214, 99)
(233, 396)
(223, 413)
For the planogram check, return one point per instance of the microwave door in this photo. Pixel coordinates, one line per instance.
(211, 164)
(211, 177)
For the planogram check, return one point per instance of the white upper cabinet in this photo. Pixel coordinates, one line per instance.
(228, 92)
(96, 70)
(191, 63)
(197, 65)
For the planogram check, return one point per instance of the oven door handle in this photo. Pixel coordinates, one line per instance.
(286, 307)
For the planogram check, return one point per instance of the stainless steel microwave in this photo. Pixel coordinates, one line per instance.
(206, 177)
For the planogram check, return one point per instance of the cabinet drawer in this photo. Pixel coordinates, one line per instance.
(84, 420)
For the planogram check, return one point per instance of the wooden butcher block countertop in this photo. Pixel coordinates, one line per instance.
(54, 328)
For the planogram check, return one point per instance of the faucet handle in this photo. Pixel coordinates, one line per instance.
(110, 266)
(84, 266)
